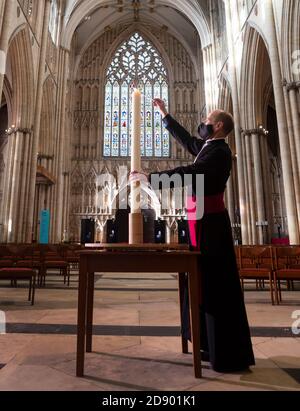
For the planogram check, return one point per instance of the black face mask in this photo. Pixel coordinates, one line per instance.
(205, 131)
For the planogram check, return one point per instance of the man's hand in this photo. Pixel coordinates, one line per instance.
(136, 176)
(157, 102)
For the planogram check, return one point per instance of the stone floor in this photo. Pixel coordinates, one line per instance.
(136, 344)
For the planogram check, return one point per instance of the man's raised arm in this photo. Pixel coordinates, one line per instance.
(181, 135)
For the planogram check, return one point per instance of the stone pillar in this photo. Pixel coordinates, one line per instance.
(250, 186)
(35, 230)
(2, 5)
(293, 91)
(294, 136)
(207, 77)
(293, 224)
(259, 186)
(65, 222)
(2, 8)
(236, 114)
(14, 188)
(57, 200)
(6, 188)
(246, 210)
(15, 184)
(265, 161)
(7, 7)
(37, 122)
(24, 183)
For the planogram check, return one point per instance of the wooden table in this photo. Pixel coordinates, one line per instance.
(144, 261)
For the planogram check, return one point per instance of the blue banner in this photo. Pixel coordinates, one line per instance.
(44, 226)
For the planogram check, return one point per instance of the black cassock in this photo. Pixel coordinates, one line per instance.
(225, 333)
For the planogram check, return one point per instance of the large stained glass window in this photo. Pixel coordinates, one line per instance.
(135, 62)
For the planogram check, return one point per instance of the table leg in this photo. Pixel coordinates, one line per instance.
(194, 293)
(181, 286)
(89, 312)
(81, 318)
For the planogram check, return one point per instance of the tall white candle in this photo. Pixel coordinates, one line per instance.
(136, 149)
(136, 131)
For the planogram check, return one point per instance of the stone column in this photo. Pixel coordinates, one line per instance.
(259, 186)
(65, 222)
(57, 200)
(247, 195)
(293, 91)
(7, 189)
(7, 7)
(250, 185)
(207, 77)
(15, 184)
(2, 6)
(293, 224)
(265, 161)
(236, 114)
(24, 184)
(35, 231)
(294, 136)
(37, 122)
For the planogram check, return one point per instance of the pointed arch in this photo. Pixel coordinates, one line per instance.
(22, 75)
(77, 181)
(136, 59)
(255, 78)
(149, 37)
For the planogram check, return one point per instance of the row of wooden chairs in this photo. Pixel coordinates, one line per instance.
(28, 262)
(260, 263)
(269, 263)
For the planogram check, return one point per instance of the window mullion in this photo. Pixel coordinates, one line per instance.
(120, 119)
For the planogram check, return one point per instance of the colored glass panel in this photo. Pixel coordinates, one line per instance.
(115, 120)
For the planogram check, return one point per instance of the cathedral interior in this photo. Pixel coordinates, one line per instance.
(67, 68)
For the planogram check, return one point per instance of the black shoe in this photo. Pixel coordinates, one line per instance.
(233, 369)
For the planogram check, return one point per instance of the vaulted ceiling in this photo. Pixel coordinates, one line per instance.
(88, 18)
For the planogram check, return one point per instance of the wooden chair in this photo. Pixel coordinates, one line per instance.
(287, 267)
(52, 258)
(256, 263)
(72, 259)
(21, 268)
(6, 257)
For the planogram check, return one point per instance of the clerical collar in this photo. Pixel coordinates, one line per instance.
(213, 139)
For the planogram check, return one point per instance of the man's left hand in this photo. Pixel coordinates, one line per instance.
(137, 176)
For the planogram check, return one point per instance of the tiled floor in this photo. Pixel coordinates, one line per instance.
(38, 350)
